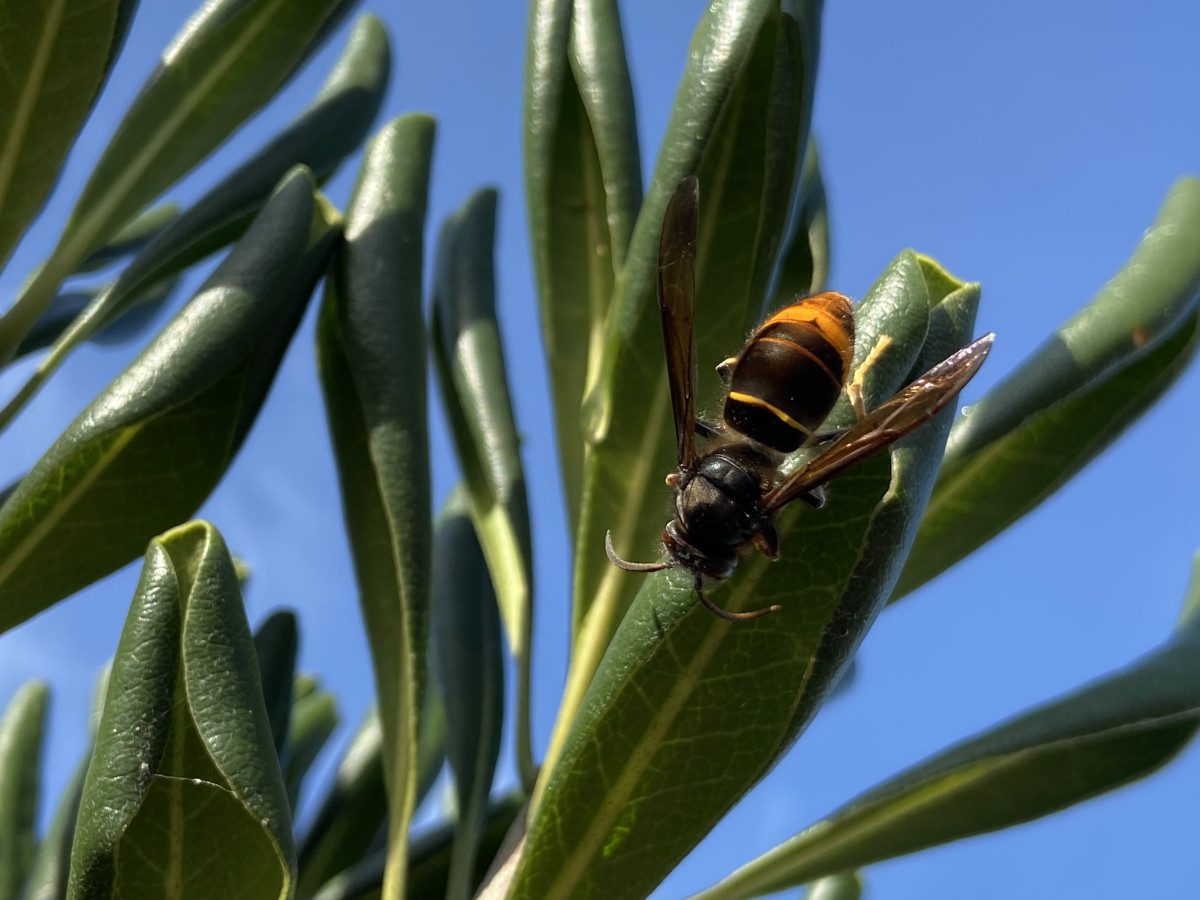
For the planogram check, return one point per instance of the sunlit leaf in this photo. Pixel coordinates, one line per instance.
(154, 443)
(688, 711)
(184, 768)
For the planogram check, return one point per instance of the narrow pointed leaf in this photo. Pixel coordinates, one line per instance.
(1094, 740)
(470, 670)
(333, 127)
(226, 62)
(130, 238)
(431, 852)
(184, 769)
(583, 187)
(56, 57)
(371, 351)
(688, 711)
(21, 732)
(155, 442)
(474, 382)
(314, 718)
(276, 642)
(351, 814)
(740, 122)
(1074, 396)
(65, 311)
(52, 864)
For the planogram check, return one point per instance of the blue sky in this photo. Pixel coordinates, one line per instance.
(1024, 145)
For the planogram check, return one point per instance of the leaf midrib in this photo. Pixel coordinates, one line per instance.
(23, 116)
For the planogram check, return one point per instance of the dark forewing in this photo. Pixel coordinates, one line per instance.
(910, 408)
(676, 302)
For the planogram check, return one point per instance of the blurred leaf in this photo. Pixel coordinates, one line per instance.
(353, 811)
(804, 268)
(688, 711)
(21, 732)
(470, 669)
(66, 309)
(52, 863)
(131, 237)
(371, 351)
(431, 743)
(431, 852)
(1068, 401)
(227, 61)
(333, 127)
(184, 767)
(474, 382)
(276, 643)
(1098, 738)
(56, 57)
(154, 443)
(583, 186)
(314, 718)
(740, 122)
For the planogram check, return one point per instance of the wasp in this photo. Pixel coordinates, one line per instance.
(779, 390)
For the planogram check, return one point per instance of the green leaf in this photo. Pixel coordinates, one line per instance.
(155, 442)
(130, 238)
(184, 797)
(66, 309)
(740, 122)
(226, 62)
(313, 720)
(845, 886)
(351, 814)
(805, 261)
(1094, 740)
(371, 352)
(431, 852)
(21, 732)
(333, 127)
(276, 642)
(471, 372)
(52, 864)
(688, 711)
(470, 669)
(583, 187)
(56, 57)
(431, 743)
(1074, 396)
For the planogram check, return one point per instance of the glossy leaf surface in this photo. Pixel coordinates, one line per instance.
(688, 711)
(740, 122)
(333, 127)
(184, 768)
(226, 62)
(583, 187)
(1098, 738)
(155, 442)
(1075, 395)
(56, 57)
(371, 352)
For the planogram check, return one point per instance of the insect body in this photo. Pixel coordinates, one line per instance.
(780, 388)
